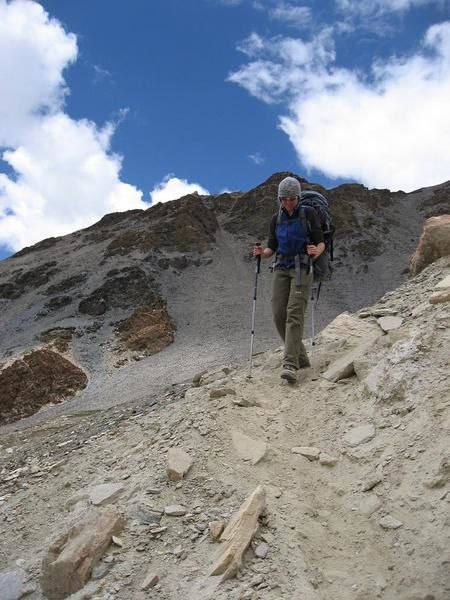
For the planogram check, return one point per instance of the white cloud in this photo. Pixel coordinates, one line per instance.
(295, 16)
(391, 132)
(172, 187)
(380, 7)
(65, 176)
(257, 158)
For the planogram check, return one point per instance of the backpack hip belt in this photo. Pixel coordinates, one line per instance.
(302, 261)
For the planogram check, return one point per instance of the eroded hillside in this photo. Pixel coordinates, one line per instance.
(353, 462)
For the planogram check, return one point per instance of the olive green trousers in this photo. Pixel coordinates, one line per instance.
(289, 304)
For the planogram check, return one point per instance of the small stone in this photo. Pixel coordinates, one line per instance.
(105, 493)
(178, 551)
(371, 482)
(369, 505)
(153, 490)
(389, 323)
(327, 460)
(150, 581)
(179, 463)
(145, 514)
(360, 435)
(100, 570)
(216, 528)
(175, 510)
(389, 522)
(247, 448)
(261, 550)
(308, 452)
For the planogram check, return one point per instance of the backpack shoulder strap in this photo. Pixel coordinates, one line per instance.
(304, 222)
(279, 216)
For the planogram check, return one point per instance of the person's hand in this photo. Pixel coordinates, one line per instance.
(312, 250)
(257, 250)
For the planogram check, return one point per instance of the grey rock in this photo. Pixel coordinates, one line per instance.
(360, 435)
(145, 514)
(389, 522)
(308, 452)
(11, 584)
(105, 493)
(261, 550)
(175, 510)
(389, 323)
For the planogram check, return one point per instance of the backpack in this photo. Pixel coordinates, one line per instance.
(322, 266)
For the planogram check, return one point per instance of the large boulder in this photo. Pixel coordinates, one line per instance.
(434, 243)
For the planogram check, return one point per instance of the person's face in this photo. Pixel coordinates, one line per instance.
(290, 204)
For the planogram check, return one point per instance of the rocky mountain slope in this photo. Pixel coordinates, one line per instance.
(144, 299)
(350, 468)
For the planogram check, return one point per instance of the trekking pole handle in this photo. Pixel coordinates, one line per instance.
(258, 259)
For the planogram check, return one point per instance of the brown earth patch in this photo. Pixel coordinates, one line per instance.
(149, 329)
(38, 378)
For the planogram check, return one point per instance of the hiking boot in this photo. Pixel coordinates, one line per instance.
(304, 365)
(289, 373)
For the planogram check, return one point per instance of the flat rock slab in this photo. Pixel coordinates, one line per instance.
(247, 448)
(348, 327)
(238, 534)
(175, 510)
(105, 493)
(359, 435)
(444, 284)
(11, 584)
(389, 522)
(179, 463)
(389, 323)
(68, 563)
(344, 367)
(308, 452)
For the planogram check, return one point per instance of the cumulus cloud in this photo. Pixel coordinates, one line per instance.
(290, 14)
(380, 7)
(172, 187)
(389, 131)
(65, 176)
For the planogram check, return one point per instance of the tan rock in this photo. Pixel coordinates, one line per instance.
(151, 579)
(308, 452)
(344, 367)
(351, 328)
(69, 561)
(238, 534)
(216, 528)
(440, 297)
(434, 243)
(179, 463)
(247, 448)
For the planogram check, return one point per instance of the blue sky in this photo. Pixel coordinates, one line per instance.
(112, 105)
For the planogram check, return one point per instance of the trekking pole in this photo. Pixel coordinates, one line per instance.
(313, 332)
(257, 271)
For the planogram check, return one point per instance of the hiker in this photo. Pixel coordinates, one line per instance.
(294, 248)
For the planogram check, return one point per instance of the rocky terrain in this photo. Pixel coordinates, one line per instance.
(350, 468)
(156, 467)
(152, 297)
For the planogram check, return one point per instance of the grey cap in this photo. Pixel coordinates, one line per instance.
(289, 188)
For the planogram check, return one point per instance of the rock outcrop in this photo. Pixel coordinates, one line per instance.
(37, 378)
(434, 243)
